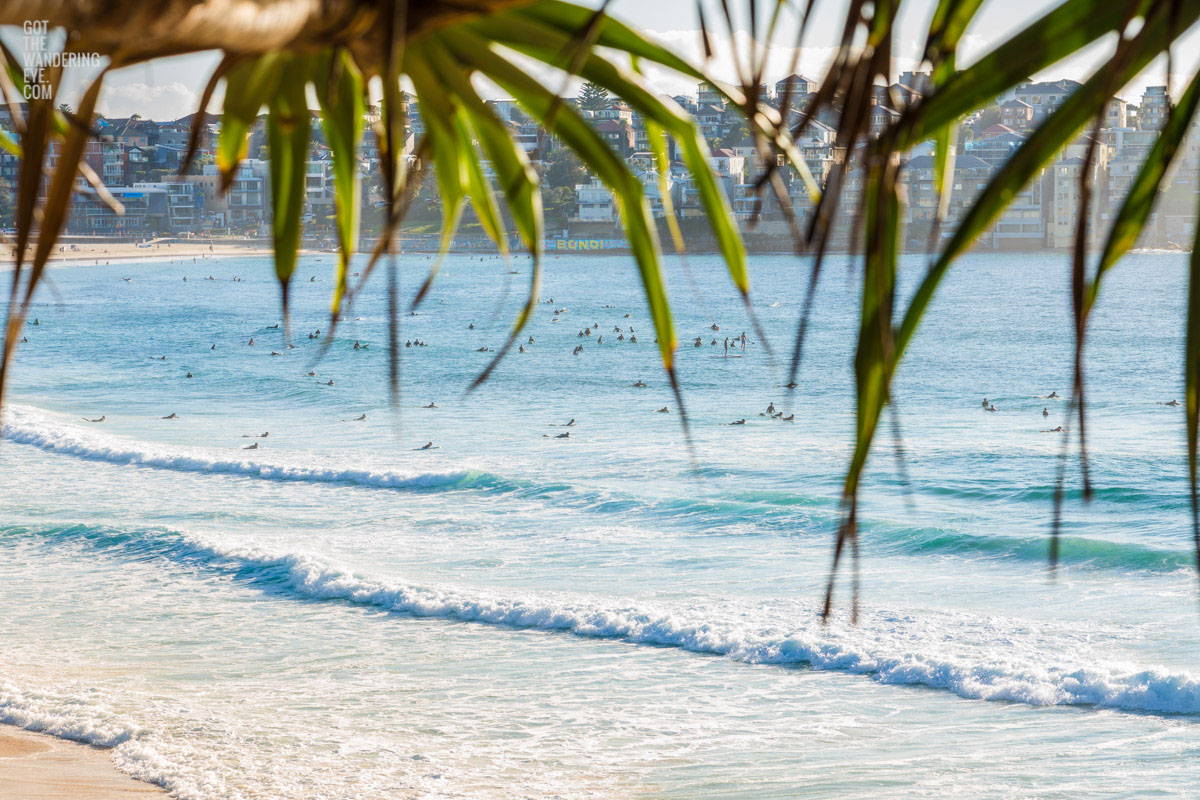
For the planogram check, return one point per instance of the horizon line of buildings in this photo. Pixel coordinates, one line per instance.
(139, 159)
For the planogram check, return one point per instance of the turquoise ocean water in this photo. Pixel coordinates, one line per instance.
(338, 614)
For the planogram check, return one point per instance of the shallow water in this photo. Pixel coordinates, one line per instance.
(339, 614)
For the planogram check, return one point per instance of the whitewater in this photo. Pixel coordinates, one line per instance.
(339, 613)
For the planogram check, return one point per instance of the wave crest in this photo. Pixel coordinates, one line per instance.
(890, 647)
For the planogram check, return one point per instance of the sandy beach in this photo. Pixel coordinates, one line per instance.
(112, 252)
(34, 766)
(131, 252)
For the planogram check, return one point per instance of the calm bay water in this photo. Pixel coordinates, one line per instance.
(338, 614)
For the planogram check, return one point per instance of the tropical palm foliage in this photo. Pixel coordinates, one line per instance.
(275, 52)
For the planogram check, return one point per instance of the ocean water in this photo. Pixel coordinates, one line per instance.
(339, 614)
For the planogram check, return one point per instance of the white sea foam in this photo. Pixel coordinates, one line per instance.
(84, 716)
(57, 714)
(956, 653)
(25, 425)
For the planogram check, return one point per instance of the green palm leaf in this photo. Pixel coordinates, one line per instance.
(287, 137)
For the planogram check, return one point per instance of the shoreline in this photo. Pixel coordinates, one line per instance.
(38, 766)
(105, 254)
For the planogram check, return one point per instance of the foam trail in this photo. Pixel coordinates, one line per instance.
(956, 653)
(24, 427)
(44, 712)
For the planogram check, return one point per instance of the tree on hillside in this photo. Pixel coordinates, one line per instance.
(593, 97)
(563, 169)
(734, 135)
(559, 204)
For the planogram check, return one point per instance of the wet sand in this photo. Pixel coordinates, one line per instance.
(34, 766)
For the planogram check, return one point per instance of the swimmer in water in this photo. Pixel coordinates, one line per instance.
(739, 422)
(360, 419)
(639, 385)
(1054, 430)
(566, 435)
(251, 446)
(101, 419)
(189, 375)
(172, 415)
(1045, 412)
(431, 405)
(663, 410)
(985, 404)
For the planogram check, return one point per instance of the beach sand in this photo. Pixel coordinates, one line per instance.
(34, 766)
(90, 253)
